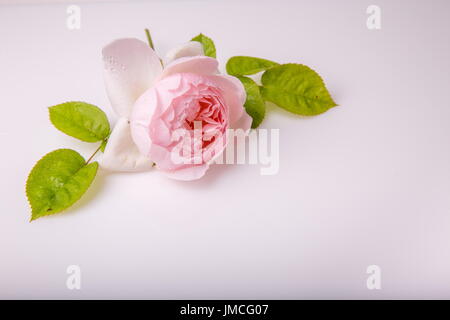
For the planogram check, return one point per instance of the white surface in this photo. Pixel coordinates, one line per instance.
(366, 183)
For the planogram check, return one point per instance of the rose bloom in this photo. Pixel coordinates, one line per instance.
(176, 116)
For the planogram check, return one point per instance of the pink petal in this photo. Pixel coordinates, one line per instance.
(131, 67)
(188, 174)
(234, 94)
(140, 118)
(244, 123)
(152, 103)
(198, 64)
(163, 158)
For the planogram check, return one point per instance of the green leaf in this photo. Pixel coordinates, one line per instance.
(208, 45)
(296, 88)
(240, 65)
(254, 104)
(57, 181)
(80, 120)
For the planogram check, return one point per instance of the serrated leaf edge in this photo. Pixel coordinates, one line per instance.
(201, 35)
(62, 211)
(333, 103)
(93, 134)
(275, 64)
(253, 125)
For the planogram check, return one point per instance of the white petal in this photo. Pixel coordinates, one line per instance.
(188, 49)
(130, 68)
(121, 154)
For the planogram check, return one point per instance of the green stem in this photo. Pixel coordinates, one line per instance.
(150, 43)
(149, 39)
(92, 156)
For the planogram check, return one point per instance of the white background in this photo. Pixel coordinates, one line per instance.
(366, 183)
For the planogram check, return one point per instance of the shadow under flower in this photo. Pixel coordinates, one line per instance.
(211, 177)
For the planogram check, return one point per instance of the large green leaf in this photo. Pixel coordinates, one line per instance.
(208, 45)
(80, 120)
(240, 65)
(57, 181)
(254, 104)
(296, 88)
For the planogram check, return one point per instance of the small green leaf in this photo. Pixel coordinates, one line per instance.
(254, 105)
(296, 88)
(208, 45)
(80, 120)
(57, 181)
(240, 65)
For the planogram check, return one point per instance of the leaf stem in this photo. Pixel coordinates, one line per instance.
(150, 43)
(92, 156)
(149, 39)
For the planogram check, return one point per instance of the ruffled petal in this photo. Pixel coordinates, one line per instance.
(234, 94)
(188, 49)
(121, 154)
(199, 64)
(130, 68)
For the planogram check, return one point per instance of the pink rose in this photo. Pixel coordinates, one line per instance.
(185, 106)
